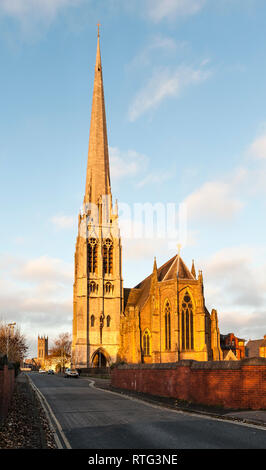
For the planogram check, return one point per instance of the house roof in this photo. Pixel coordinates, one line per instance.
(253, 346)
(229, 355)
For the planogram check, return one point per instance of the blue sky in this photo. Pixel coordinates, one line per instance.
(186, 109)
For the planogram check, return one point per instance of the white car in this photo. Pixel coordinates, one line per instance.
(71, 373)
(42, 371)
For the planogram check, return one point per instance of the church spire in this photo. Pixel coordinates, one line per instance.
(98, 173)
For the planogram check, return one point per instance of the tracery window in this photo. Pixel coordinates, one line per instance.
(167, 320)
(187, 323)
(146, 343)
(92, 255)
(108, 256)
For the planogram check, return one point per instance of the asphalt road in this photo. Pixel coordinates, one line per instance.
(97, 419)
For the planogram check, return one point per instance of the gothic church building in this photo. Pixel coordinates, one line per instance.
(163, 318)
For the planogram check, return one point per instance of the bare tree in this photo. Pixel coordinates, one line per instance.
(62, 348)
(12, 342)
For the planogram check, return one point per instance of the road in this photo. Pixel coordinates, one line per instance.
(95, 419)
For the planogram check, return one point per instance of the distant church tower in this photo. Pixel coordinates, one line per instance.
(98, 284)
(42, 349)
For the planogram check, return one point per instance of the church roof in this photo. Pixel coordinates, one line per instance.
(168, 271)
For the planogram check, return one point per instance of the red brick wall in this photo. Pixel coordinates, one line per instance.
(7, 382)
(235, 385)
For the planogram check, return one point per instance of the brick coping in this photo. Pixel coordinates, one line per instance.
(253, 361)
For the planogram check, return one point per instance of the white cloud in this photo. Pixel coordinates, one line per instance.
(249, 326)
(144, 248)
(161, 9)
(163, 84)
(128, 163)
(156, 178)
(162, 42)
(37, 295)
(258, 148)
(24, 10)
(44, 269)
(124, 165)
(156, 45)
(236, 285)
(63, 221)
(214, 200)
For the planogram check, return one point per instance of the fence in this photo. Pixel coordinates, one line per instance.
(7, 383)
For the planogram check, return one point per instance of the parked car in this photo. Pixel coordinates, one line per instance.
(71, 373)
(50, 371)
(42, 371)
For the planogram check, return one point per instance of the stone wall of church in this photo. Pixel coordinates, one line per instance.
(231, 385)
(151, 319)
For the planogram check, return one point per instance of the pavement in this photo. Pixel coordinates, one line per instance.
(99, 418)
(25, 426)
(257, 417)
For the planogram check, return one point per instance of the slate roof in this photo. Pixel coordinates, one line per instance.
(168, 271)
(253, 347)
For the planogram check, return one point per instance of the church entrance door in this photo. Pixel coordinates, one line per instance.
(99, 360)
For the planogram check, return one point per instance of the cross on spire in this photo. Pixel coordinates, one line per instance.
(99, 24)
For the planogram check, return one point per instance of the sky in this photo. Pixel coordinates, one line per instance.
(185, 93)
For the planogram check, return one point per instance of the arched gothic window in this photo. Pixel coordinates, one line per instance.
(108, 288)
(93, 287)
(92, 255)
(108, 321)
(187, 323)
(108, 256)
(146, 343)
(167, 320)
(92, 320)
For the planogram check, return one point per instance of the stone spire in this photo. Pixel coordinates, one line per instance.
(98, 172)
(193, 270)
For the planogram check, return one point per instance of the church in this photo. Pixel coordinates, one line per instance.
(162, 319)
